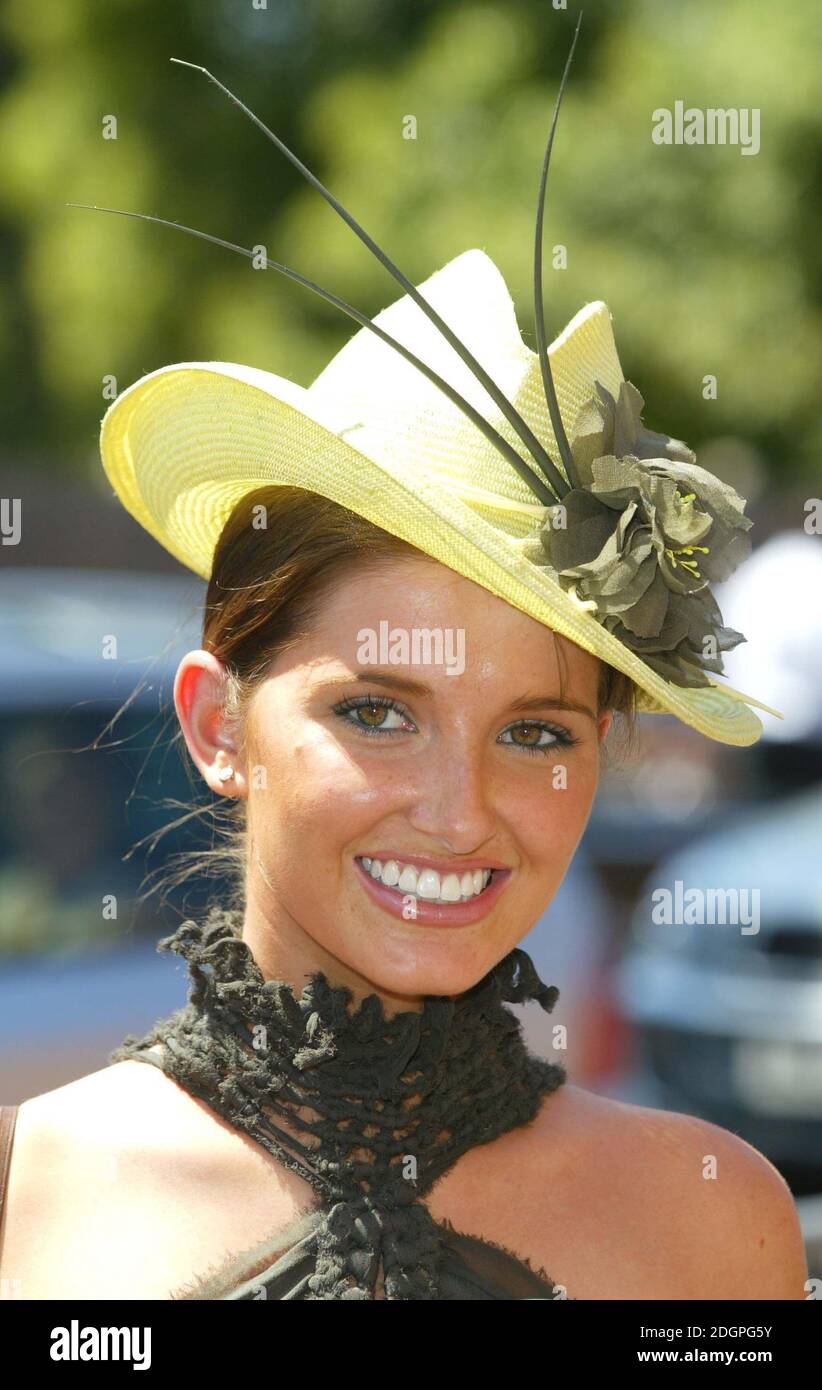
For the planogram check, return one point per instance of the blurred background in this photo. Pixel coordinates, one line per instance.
(709, 260)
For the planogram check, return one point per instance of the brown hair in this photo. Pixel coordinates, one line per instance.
(279, 551)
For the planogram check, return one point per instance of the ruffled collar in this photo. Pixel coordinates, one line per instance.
(369, 1110)
(243, 1042)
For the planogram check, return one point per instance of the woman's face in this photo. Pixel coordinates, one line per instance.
(432, 769)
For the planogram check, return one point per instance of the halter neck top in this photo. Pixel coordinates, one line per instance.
(369, 1110)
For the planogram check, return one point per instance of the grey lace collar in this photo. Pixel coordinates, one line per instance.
(369, 1110)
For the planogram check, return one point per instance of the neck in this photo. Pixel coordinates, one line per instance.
(284, 950)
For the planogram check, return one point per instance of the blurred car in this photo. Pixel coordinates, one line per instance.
(74, 646)
(729, 1017)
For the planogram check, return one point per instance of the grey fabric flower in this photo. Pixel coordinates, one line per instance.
(644, 535)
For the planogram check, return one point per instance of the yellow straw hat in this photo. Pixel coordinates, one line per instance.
(418, 424)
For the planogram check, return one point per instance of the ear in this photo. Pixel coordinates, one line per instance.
(604, 723)
(199, 695)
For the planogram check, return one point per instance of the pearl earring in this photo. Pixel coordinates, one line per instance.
(226, 773)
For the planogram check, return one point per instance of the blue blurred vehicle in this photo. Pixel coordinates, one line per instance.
(728, 1018)
(74, 646)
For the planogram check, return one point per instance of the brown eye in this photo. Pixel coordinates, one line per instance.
(525, 730)
(536, 736)
(373, 715)
(370, 715)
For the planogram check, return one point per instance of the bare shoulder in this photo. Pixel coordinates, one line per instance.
(706, 1215)
(112, 1187)
(71, 1138)
(127, 1111)
(97, 1112)
(66, 1142)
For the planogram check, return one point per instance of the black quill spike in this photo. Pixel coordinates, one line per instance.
(511, 414)
(542, 348)
(523, 469)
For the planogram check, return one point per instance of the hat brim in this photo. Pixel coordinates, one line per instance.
(185, 443)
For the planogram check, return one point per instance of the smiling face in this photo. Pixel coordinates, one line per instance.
(381, 794)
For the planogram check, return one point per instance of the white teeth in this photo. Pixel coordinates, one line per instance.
(407, 881)
(427, 883)
(450, 890)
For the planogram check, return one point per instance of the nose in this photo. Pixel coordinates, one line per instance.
(453, 800)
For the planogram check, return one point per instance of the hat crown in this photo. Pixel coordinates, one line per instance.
(382, 404)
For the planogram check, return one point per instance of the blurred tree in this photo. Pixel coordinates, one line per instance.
(708, 258)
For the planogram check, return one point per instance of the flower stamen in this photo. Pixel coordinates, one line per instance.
(686, 550)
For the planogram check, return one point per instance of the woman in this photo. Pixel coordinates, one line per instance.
(453, 780)
(415, 641)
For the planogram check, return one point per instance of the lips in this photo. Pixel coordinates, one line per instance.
(420, 893)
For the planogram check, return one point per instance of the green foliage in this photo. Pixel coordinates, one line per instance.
(707, 258)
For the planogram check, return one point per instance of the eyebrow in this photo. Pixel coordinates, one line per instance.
(374, 676)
